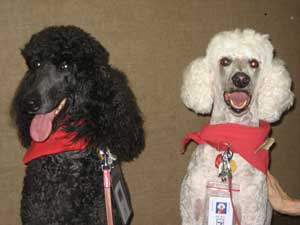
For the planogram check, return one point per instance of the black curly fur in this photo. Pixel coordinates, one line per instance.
(66, 188)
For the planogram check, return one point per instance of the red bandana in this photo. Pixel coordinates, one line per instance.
(244, 140)
(59, 141)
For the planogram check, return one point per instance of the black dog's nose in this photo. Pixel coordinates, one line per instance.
(31, 104)
(240, 80)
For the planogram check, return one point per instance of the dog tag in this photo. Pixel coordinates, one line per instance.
(218, 160)
(233, 165)
(225, 166)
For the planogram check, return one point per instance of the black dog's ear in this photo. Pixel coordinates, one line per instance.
(127, 124)
(112, 118)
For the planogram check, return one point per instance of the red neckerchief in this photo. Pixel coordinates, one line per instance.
(244, 140)
(59, 141)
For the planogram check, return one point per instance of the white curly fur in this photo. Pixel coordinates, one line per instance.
(202, 91)
(274, 94)
(197, 80)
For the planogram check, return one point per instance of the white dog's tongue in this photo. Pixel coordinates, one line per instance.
(237, 99)
(41, 126)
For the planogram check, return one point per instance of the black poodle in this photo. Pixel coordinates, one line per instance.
(70, 90)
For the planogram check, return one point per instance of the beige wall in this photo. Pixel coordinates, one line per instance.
(152, 41)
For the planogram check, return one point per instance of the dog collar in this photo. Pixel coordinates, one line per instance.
(58, 142)
(244, 140)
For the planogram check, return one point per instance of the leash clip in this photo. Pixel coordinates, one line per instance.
(106, 159)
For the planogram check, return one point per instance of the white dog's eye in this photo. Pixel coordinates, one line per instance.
(225, 61)
(253, 63)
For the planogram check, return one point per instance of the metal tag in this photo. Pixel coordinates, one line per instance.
(225, 168)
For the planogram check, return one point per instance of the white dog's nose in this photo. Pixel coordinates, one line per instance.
(241, 80)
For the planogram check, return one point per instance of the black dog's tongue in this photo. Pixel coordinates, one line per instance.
(41, 126)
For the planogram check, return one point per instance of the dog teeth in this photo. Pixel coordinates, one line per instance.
(60, 107)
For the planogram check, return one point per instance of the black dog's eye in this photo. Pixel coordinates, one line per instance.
(254, 63)
(225, 61)
(36, 64)
(64, 66)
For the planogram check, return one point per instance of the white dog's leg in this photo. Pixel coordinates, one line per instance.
(253, 199)
(193, 188)
(192, 204)
(190, 207)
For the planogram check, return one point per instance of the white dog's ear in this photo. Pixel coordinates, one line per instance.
(274, 92)
(196, 90)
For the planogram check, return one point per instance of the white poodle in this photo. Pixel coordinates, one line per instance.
(239, 82)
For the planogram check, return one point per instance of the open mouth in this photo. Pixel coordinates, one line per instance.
(41, 124)
(237, 100)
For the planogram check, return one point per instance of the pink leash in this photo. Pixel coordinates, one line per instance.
(231, 199)
(107, 192)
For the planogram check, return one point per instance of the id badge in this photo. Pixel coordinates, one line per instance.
(121, 195)
(220, 211)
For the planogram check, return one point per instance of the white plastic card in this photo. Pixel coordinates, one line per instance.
(220, 211)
